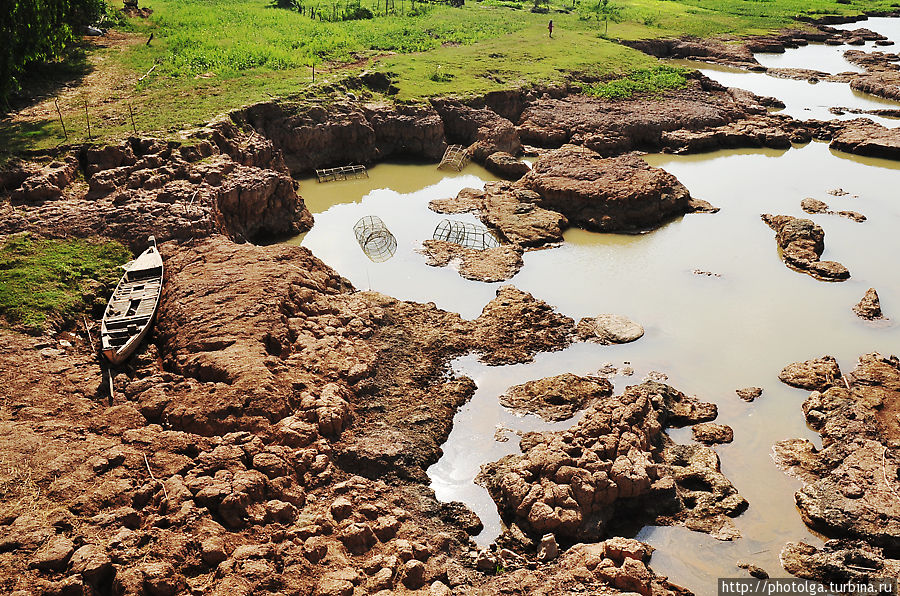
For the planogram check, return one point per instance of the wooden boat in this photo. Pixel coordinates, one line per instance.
(132, 306)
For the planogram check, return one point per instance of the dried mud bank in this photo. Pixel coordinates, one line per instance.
(235, 176)
(851, 485)
(272, 439)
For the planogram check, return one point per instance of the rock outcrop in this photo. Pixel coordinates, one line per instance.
(510, 210)
(869, 306)
(231, 453)
(849, 487)
(802, 242)
(814, 375)
(556, 398)
(864, 137)
(145, 186)
(815, 206)
(579, 483)
(489, 265)
(605, 194)
(314, 136)
(703, 117)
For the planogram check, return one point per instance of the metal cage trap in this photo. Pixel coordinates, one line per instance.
(465, 234)
(375, 239)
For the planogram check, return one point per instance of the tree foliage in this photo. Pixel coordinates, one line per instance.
(35, 31)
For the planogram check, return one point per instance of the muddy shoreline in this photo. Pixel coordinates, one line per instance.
(273, 436)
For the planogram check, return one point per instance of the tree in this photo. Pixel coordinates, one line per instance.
(35, 31)
(606, 10)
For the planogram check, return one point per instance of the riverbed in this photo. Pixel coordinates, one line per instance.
(720, 309)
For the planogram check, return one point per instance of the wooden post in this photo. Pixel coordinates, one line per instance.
(87, 119)
(61, 118)
(313, 64)
(131, 112)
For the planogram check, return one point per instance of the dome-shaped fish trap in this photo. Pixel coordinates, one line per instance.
(375, 239)
(465, 234)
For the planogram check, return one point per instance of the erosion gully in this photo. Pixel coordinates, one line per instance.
(720, 309)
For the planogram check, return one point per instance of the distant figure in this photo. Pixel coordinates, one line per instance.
(550, 28)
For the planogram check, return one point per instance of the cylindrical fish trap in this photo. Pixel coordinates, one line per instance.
(465, 234)
(375, 239)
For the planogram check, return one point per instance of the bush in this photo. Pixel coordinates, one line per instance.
(39, 31)
(358, 13)
(645, 80)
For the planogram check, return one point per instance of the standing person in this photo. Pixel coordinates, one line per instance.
(550, 28)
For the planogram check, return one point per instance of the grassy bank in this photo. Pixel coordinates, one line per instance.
(208, 57)
(44, 279)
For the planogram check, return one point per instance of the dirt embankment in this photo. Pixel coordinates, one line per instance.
(273, 438)
(851, 485)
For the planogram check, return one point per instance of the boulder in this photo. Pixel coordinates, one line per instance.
(609, 329)
(606, 194)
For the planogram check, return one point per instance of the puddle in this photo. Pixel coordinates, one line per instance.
(710, 335)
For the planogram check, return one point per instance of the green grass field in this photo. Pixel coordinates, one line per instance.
(41, 278)
(208, 57)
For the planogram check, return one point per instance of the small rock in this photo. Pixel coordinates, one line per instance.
(382, 580)
(53, 556)
(414, 574)
(486, 561)
(710, 433)
(506, 165)
(212, 551)
(749, 393)
(609, 329)
(92, 562)
(811, 205)
(438, 588)
(869, 307)
(853, 215)
(358, 538)
(329, 586)
(754, 571)
(341, 508)
(548, 549)
(160, 579)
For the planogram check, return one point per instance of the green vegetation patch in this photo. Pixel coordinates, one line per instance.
(43, 279)
(653, 80)
(520, 59)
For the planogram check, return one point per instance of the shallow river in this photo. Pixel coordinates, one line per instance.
(804, 100)
(709, 334)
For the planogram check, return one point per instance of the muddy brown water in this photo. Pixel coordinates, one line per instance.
(709, 334)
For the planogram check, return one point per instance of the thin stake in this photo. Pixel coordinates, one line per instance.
(112, 395)
(88, 329)
(165, 492)
(61, 118)
(131, 112)
(152, 68)
(87, 119)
